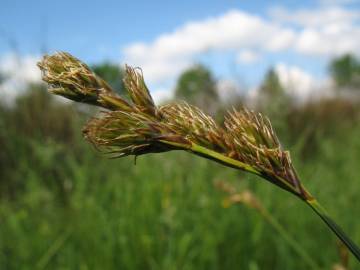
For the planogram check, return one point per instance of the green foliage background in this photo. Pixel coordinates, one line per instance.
(64, 206)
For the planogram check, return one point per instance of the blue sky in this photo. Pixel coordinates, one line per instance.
(96, 30)
(303, 35)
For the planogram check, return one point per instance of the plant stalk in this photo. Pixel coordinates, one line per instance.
(322, 213)
(306, 196)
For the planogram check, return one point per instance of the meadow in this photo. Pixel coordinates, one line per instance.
(65, 206)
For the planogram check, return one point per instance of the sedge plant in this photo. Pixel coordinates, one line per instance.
(245, 141)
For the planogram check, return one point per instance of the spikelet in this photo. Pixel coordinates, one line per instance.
(69, 77)
(257, 145)
(138, 91)
(121, 134)
(195, 125)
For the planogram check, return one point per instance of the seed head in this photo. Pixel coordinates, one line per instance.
(69, 77)
(246, 140)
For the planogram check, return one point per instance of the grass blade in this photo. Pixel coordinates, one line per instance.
(321, 212)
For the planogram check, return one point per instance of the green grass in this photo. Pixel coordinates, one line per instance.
(78, 210)
(64, 206)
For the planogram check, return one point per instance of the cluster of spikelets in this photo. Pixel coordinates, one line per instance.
(245, 140)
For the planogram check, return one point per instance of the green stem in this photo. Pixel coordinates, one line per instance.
(213, 155)
(305, 195)
(321, 212)
(288, 238)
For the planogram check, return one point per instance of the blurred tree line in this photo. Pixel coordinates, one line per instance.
(345, 71)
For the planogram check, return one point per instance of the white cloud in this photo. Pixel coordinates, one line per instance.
(280, 40)
(318, 17)
(329, 31)
(228, 90)
(297, 83)
(170, 53)
(328, 41)
(326, 31)
(337, 2)
(247, 56)
(17, 72)
(295, 80)
(161, 70)
(161, 95)
(23, 68)
(301, 84)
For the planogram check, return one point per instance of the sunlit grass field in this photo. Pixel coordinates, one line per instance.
(75, 209)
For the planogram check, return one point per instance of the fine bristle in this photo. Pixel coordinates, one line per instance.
(138, 91)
